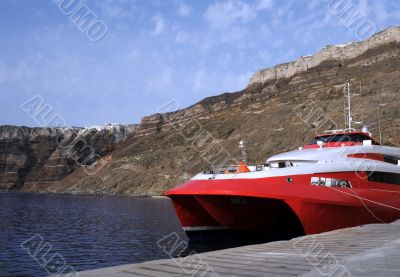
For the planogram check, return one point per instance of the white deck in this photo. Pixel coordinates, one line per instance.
(319, 160)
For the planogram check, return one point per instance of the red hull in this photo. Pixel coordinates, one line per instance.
(274, 204)
(215, 212)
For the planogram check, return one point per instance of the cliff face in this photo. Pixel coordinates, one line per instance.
(282, 108)
(331, 52)
(35, 157)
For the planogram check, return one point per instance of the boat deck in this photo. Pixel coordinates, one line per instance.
(370, 250)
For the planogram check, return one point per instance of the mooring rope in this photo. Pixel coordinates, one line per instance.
(369, 200)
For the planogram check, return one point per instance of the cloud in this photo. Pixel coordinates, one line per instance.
(184, 9)
(264, 55)
(3, 74)
(159, 25)
(181, 37)
(114, 9)
(380, 12)
(363, 6)
(206, 81)
(25, 68)
(232, 13)
(264, 30)
(199, 79)
(280, 15)
(161, 81)
(313, 5)
(243, 79)
(225, 14)
(264, 5)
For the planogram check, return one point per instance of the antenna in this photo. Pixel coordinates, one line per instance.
(379, 120)
(379, 124)
(347, 105)
(344, 106)
(243, 151)
(348, 118)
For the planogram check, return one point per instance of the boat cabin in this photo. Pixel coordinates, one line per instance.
(339, 139)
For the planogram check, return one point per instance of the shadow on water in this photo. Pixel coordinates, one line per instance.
(286, 227)
(219, 240)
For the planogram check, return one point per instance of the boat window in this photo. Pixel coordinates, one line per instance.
(282, 164)
(391, 159)
(330, 182)
(289, 164)
(384, 177)
(342, 138)
(376, 156)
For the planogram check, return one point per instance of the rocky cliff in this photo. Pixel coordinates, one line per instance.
(331, 52)
(280, 109)
(35, 157)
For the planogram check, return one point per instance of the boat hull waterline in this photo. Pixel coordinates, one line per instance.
(276, 205)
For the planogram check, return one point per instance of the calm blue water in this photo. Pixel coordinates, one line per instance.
(88, 232)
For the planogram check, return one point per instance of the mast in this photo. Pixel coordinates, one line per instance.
(243, 151)
(348, 123)
(379, 123)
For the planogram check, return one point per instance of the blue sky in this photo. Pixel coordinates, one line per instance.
(155, 51)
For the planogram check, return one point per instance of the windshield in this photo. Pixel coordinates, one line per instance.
(342, 138)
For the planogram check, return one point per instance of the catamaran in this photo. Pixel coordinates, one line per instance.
(342, 178)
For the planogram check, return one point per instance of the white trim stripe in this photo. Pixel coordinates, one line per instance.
(204, 228)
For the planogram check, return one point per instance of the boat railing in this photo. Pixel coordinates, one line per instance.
(230, 169)
(340, 131)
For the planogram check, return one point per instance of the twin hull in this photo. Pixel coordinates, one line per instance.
(282, 204)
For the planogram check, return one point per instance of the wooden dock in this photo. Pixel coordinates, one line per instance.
(370, 250)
